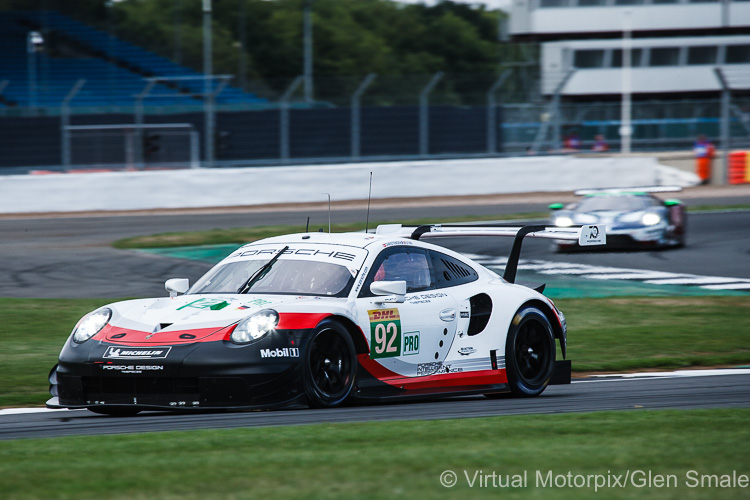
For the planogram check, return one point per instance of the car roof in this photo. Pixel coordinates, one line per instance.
(617, 194)
(358, 239)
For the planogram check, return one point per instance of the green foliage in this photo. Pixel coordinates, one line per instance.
(351, 38)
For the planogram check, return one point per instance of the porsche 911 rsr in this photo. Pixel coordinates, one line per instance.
(321, 319)
(634, 218)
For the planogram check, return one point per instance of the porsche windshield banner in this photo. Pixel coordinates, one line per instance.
(336, 254)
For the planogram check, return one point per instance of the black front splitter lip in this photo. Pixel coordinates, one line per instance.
(295, 402)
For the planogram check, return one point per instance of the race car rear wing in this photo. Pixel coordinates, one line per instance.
(640, 189)
(585, 235)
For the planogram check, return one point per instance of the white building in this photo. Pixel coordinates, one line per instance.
(676, 45)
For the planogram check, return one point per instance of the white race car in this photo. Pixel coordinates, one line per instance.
(323, 318)
(634, 217)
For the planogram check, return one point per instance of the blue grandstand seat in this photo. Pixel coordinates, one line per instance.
(108, 83)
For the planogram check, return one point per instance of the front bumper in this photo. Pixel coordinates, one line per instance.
(630, 237)
(205, 375)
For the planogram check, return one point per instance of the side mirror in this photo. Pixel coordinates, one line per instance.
(396, 291)
(177, 285)
(556, 206)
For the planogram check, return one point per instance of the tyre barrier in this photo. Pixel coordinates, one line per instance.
(739, 167)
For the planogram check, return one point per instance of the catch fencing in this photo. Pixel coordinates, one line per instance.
(372, 117)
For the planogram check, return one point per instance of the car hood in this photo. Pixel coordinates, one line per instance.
(187, 318)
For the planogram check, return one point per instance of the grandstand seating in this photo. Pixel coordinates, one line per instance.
(115, 70)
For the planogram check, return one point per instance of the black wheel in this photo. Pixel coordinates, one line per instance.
(114, 411)
(529, 353)
(330, 365)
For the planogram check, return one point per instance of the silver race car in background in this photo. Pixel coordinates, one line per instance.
(634, 217)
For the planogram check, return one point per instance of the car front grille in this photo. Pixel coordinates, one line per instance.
(142, 389)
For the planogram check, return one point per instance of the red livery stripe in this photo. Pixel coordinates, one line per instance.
(456, 379)
(299, 321)
(137, 338)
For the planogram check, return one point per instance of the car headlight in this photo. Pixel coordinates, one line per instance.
(563, 221)
(255, 327)
(651, 219)
(91, 324)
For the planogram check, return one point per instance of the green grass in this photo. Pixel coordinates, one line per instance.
(389, 459)
(628, 333)
(248, 234)
(718, 208)
(605, 334)
(32, 332)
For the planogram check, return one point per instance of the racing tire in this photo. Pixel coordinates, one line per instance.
(529, 353)
(330, 365)
(114, 411)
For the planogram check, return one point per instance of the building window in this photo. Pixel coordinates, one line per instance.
(635, 57)
(667, 56)
(656, 2)
(591, 3)
(702, 55)
(554, 3)
(588, 59)
(738, 54)
(628, 2)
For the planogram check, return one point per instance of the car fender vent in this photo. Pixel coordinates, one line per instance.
(481, 310)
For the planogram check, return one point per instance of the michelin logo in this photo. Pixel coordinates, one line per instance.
(131, 353)
(286, 352)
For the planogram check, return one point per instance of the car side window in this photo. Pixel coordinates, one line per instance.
(401, 264)
(451, 272)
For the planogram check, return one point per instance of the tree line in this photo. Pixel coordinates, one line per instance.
(261, 42)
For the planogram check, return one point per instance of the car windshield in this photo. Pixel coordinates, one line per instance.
(613, 203)
(289, 277)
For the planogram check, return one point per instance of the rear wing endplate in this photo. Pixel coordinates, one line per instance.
(585, 235)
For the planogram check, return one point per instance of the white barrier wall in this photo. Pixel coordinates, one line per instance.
(263, 185)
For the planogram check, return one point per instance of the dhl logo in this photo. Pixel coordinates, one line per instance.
(384, 315)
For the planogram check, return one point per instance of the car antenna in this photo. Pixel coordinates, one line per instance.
(369, 195)
(307, 225)
(329, 212)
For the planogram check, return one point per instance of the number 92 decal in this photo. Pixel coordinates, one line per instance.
(385, 333)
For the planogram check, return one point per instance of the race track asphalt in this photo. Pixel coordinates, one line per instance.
(66, 256)
(70, 256)
(593, 394)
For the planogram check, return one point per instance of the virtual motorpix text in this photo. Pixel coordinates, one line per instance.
(611, 479)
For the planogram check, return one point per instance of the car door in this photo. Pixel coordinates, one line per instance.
(410, 338)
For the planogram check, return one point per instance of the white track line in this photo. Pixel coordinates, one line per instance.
(591, 378)
(615, 273)
(657, 375)
(21, 411)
